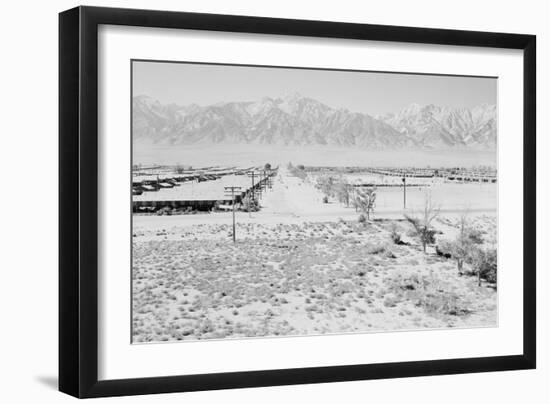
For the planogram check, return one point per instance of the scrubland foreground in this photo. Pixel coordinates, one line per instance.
(311, 277)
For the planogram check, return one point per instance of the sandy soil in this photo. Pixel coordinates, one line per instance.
(299, 267)
(296, 280)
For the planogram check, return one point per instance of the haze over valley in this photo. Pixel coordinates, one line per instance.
(302, 124)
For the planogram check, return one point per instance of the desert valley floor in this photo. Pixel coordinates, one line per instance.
(302, 267)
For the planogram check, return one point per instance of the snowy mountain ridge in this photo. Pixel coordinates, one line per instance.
(296, 120)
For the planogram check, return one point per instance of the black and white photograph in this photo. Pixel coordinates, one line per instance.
(278, 202)
(275, 202)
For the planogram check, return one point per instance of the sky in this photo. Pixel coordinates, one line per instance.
(367, 92)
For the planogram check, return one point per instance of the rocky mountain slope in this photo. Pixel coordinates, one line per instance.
(298, 120)
(432, 126)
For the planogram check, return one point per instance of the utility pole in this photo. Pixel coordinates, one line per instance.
(265, 181)
(258, 183)
(404, 193)
(232, 191)
(251, 175)
(269, 179)
(262, 180)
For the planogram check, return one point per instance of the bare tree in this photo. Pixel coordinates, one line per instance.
(422, 223)
(326, 184)
(365, 201)
(344, 191)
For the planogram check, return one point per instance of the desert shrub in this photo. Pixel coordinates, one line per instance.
(325, 199)
(250, 205)
(465, 244)
(448, 303)
(475, 236)
(394, 235)
(362, 219)
(380, 249)
(484, 263)
(391, 301)
(488, 270)
(376, 249)
(412, 282)
(432, 294)
(444, 249)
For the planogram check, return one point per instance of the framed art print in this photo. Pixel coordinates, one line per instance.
(250, 202)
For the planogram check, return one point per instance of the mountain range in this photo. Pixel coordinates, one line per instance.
(297, 120)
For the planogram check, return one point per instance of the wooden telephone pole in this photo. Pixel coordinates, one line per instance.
(404, 193)
(231, 191)
(251, 174)
(269, 179)
(257, 184)
(264, 183)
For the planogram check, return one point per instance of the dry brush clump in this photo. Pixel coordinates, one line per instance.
(461, 248)
(249, 204)
(380, 249)
(431, 293)
(468, 248)
(395, 235)
(484, 263)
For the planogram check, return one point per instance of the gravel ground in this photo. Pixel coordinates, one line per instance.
(303, 278)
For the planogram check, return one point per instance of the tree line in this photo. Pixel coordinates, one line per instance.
(466, 248)
(362, 199)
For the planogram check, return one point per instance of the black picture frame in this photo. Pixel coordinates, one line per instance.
(78, 201)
